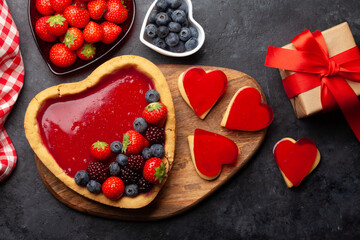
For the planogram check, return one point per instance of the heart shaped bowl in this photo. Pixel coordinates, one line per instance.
(192, 23)
(101, 48)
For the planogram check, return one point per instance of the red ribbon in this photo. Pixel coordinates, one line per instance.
(314, 68)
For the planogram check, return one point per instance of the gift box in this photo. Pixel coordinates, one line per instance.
(321, 72)
(338, 39)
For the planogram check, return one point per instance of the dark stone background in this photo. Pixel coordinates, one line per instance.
(256, 203)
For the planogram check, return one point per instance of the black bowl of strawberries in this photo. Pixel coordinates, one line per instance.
(72, 34)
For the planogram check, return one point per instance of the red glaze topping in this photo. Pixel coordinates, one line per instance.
(247, 113)
(211, 151)
(295, 159)
(203, 89)
(69, 125)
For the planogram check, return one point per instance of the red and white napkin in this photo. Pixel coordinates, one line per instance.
(11, 81)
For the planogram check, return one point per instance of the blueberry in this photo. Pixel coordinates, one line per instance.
(152, 16)
(116, 147)
(185, 34)
(172, 39)
(81, 178)
(185, 24)
(150, 30)
(179, 48)
(146, 153)
(191, 44)
(174, 3)
(131, 190)
(162, 31)
(161, 5)
(157, 150)
(93, 186)
(140, 125)
(122, 159)
(194, 32)
(152, 96)
(178, 16)
(114, 169)
(169, 12)
(159, 42)
(174, 27)
(162, 19)
(184, 7)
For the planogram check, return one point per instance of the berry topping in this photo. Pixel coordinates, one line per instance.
(155, 113)
(97, 171)
(146, 153)
(157, 150)
(152, 96)
(129, 176)
(113, 188)
(154, 170)
(133, 143)
(122, 159)
(100, 150)
(81, 178)
(114, 169)
(140, 125)
(116, 147)
(93, 186)
(155, 135)
(132, 190)
(136, 162)
(144, 186)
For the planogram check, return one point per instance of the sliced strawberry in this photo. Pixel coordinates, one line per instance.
(87, 51)
(73, 38)
(111, 32)
(42, 30)
(93, 32)
(57, 25)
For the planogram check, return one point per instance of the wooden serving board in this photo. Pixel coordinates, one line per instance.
(184, 188)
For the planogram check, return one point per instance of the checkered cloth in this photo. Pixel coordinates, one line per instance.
(11, 81)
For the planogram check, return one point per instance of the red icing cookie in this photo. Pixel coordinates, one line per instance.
(296, 159)
(209, 151)
(201, 89)
(246, 112)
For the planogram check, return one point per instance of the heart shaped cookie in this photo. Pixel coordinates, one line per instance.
(63, 121)
(246, 112)
(201, 89)
(296, 159)
(209, 151)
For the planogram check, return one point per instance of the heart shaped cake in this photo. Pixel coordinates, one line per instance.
(62, 122)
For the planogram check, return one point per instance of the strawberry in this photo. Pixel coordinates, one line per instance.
(154, 170)
(42, 31)
(80, 4)
(93, 32)
(44, 7)
(133, 143)
(100, 150)
(73, 39)
(113, 188)
(111, 32)
(60, 5)
(97, 9)
(61, 56)
(87, 51)
(155, 113)
(76, 16)
(57, 25)
(116, 12)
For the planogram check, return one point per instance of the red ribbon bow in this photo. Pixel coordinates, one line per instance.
(314, 68)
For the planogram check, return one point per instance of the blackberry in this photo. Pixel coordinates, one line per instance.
(155, 135)
(136, 162)
(129, 176)
(144, 186)
(98, 171)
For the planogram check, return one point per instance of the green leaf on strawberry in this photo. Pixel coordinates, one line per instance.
(160, 172)
(57, 19)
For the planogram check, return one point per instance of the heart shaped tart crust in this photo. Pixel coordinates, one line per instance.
(209, 151)
(246, 112)
(201, 89)
(296, 159)
(63, 121)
